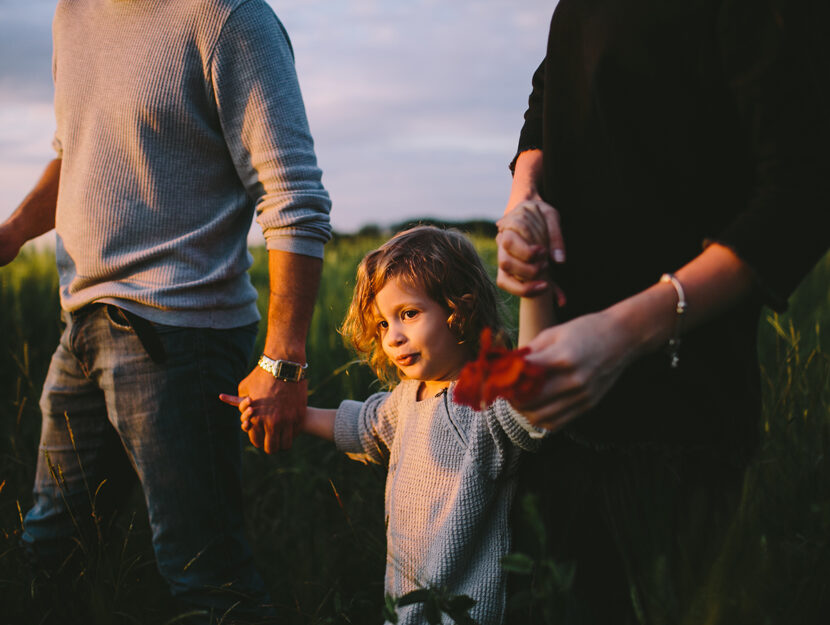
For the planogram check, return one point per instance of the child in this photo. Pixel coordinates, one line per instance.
(419, 306)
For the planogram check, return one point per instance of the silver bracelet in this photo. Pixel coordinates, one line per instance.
(673, 347)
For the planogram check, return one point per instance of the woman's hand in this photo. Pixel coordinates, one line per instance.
(584, 358)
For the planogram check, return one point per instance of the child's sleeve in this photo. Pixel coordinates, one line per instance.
(503, 435)
(365, 430)
(520, 432)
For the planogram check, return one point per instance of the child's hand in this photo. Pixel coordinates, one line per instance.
(244, 405)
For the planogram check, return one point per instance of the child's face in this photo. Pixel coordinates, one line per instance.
(415, 336)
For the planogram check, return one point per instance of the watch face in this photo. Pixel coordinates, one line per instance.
(286, 370)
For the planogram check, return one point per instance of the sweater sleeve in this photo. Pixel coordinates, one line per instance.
(517, 428)
(365, 430)
(263, 118)
(780, 96)
(499, 435)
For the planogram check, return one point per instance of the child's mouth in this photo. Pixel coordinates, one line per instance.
(406, 360)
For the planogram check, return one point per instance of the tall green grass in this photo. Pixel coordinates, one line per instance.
(775, 567)
(315, 518)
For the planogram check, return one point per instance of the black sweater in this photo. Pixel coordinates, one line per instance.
(666, 124)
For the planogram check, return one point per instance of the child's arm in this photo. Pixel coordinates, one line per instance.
(319, 422)
(535, 314)
(536, 310)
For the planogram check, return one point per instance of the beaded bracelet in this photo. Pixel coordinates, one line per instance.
(674, 342)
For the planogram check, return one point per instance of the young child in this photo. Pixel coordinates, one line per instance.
(419, 306)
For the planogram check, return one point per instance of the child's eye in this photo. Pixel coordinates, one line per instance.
(382, 325)
(410, 314)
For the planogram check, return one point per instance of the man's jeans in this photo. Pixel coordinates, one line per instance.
(104, 397)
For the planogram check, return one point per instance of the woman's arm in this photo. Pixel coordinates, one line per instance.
(586, 356)
(780, 233)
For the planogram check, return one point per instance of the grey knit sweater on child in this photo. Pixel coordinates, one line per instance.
(450, 484)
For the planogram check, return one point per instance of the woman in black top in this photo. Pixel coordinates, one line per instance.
(670, 136)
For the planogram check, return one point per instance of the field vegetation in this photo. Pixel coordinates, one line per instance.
(315, 518)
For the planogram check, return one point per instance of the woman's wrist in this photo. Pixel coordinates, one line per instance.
(711, 283)
(646, 320)
(525, 179)
(522, 193)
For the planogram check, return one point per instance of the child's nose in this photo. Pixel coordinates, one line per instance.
(395, 337)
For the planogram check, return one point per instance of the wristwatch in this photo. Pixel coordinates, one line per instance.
(284, 370)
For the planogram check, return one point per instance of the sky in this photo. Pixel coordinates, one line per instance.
(415, 105)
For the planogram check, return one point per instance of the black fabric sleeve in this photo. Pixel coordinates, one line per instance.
(530, 137)
(781, 100)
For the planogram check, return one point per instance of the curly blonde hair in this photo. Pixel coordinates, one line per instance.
(446, 266)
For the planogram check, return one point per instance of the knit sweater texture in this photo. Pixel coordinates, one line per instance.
(449, 488)
(176, 120)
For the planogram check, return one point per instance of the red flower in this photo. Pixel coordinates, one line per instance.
(498, 372)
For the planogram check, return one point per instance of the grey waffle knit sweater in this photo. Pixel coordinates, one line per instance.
(176, 119)
(450, 484)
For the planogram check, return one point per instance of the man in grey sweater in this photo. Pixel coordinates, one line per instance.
(175, 122)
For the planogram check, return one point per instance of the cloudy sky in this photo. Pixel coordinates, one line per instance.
(415, 105)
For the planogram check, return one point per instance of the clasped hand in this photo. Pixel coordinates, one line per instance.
(529, 237)
(271, 411)
(585, 356)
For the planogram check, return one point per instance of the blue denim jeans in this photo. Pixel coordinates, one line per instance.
(105, 399)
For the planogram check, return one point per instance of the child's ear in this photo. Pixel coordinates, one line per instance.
(460, 313)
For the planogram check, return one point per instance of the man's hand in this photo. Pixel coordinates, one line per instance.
(277, 407)
(9, 245)
(34, 216)
(244, 406)
(275, 410)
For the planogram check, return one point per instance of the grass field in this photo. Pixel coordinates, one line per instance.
(315, 518)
